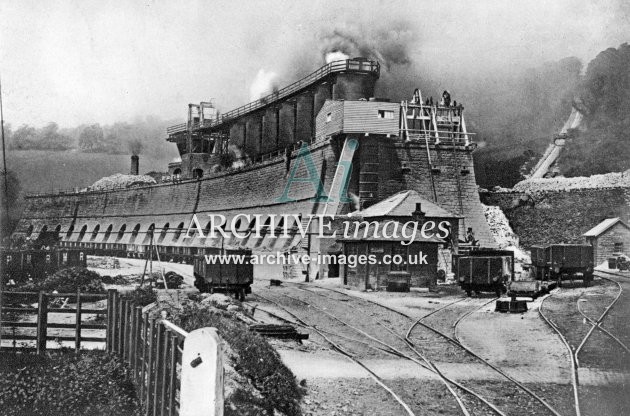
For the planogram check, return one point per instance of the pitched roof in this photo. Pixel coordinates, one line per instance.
(403, 204)
(361, 234)
(603, 226)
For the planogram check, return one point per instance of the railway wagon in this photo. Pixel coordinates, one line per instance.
(484, 270)
(561, 262)
(22, 264)
(233, 277)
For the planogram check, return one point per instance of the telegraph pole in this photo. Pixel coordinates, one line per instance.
(5, 203)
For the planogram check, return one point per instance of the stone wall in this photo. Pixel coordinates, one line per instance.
(451, 184)
(604, 245)
(540, 218)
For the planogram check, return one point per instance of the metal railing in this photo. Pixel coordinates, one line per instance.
(349, 65)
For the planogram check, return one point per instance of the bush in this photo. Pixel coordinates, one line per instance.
(69, 281)
(143, 295)
(256, 360)
(64, 384)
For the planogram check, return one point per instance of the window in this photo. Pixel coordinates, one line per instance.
(386, 114)
(328, 117)
(399, 255)
(619, 247)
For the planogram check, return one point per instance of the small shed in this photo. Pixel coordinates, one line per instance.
(609, 238)
(378, 262)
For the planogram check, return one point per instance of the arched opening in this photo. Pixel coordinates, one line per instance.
(44, 229)
(177, 172)
(178, 232)
(70, 230)
(95, 232)
(121, 232)
(163, 233)
(134, 233)
(58, 229)
(82, 233)
(197, 173)
(108, 232)
(29, 230)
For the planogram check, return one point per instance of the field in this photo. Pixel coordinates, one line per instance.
(42, 171)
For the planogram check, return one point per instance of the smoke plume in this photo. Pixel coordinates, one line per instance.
(265, 83)
(389, 45)
(135, 146)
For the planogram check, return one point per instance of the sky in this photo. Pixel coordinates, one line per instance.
(85, 61)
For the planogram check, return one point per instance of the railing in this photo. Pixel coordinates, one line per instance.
(21, 330)
(354, 65)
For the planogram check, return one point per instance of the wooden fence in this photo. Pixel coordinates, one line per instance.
(25, 324)
(153, 350)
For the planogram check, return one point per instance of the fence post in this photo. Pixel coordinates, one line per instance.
(164, 380)
(119, 325)
(110, 319)
(42, 322)
(148, 381)
(143, 365)
(173, 374)
(158, 367)
(77, 325)
(201, 391)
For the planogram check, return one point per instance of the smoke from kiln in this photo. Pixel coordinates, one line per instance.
(265, 83)
(135, 146)
(390, 46)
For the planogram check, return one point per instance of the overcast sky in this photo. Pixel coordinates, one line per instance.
(104, 61)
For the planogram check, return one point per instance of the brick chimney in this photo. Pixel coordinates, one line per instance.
(417, 213)
(135, 164)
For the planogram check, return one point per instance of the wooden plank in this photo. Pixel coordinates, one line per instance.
(74, 310)
(26, 310)
(72, 338)
(148, 379)
(77, 322)
(163, 376)
(120, 325)
(42, 320)
(143, 365)
(174, 339)
(110, 298)
(158, 368)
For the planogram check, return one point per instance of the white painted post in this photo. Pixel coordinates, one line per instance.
(201, 392)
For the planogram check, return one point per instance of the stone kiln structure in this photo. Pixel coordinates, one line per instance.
(238, 163)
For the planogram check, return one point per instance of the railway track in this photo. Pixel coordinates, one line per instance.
(451, 339)
(388, 347)
(595, 324)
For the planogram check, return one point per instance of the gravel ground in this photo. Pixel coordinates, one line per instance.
(449, 358)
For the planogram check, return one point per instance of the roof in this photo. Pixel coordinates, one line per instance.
(403, 204)
(603, 226)
(361, 234)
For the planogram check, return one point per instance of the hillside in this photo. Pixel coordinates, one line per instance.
(41, 171)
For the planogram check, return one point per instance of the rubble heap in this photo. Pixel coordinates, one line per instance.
(120, 180)
(504, 236)
(608, 180)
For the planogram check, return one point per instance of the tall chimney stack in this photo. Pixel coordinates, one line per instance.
(135, 164)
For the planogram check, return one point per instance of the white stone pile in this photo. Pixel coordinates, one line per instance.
(120, 180)
(504, 236)
(608, 180)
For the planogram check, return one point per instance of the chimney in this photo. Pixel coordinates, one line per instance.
(135, 164)
(418, 212)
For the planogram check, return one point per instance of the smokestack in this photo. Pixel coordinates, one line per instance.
(418, 214)
(135, 164)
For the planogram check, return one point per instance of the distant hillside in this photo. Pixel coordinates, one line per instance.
(516, 119)
(42, 171)
(605, 93)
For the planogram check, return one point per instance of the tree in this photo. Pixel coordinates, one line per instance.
(91, 138)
